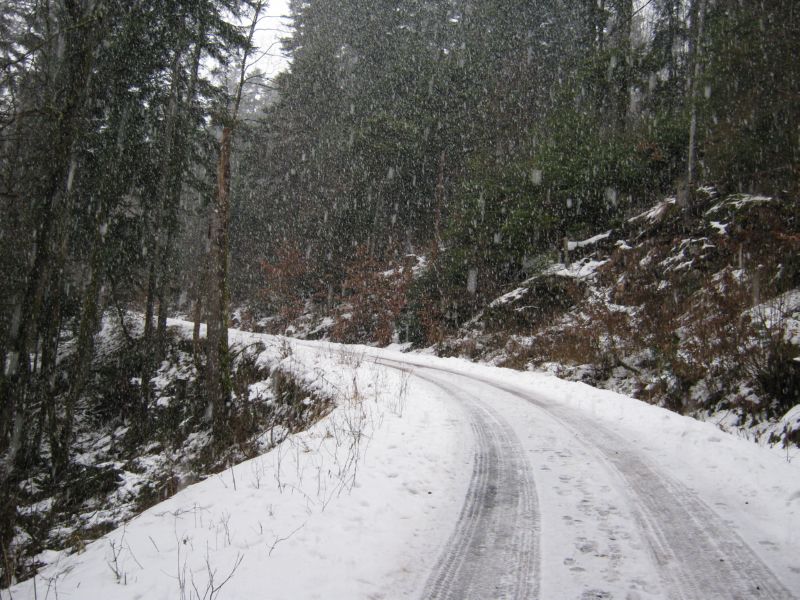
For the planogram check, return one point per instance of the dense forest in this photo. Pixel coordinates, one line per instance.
(416, 160)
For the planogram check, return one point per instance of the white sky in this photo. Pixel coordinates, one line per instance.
(274, 25)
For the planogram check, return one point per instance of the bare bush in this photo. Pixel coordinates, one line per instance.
(373, 296)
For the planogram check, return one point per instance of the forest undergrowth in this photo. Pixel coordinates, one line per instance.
(130, 455)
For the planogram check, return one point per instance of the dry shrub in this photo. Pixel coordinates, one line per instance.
(296, 408)
(718, 330)
(435, 331)
(429, 321)
(373, 296)
(772, 361)
(288, 282)
(575, 343)
(574, 346)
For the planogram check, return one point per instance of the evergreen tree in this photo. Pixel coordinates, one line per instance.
(749, 115)
(218, 365)
(100, 117)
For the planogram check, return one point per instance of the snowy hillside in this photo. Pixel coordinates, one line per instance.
(694, 309)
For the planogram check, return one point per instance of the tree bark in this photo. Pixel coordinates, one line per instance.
(174, 186)
(439, 199)
(218, 361)
(90, 314)
(218, 367)
(625, 28)
(697, 11)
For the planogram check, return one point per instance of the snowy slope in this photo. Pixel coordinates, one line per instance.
(432, 470)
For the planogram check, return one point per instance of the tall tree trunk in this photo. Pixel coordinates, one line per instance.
(673, 22)
(162, 296)
(67, 65)
(218, 362)
(174, 187)
(197, 315)
(84, 351)
(439, 200)
(218, 374)
(70, 88)
(697, 12)
(170, 191)
(153, 342)
(148, 362)
(624, 32)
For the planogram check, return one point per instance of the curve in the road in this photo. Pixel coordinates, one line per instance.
(697, 554)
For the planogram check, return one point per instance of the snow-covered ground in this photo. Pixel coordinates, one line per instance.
(442, 478)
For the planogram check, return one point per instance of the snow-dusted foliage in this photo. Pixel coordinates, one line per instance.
(693, 308)
(129, 456)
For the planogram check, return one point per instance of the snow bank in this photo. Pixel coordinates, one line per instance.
(353, 508)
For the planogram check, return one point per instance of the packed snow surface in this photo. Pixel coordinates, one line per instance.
(442, 478)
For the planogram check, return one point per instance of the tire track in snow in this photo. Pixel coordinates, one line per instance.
(493, 550)
(696, 553)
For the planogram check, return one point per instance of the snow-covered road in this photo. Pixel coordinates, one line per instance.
(438, 478)
(615, 524)
(492, 551)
